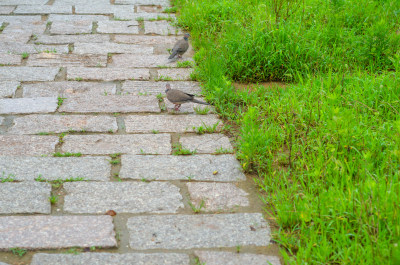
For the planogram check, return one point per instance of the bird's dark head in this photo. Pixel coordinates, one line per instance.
(186, 36)
(168, 87)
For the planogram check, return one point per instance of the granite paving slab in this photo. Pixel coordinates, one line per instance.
(111, 258)
(20, 19)
(127, 14)
(229, 258)
(43, 9)
(207, 143)
(23, 2)
(142, 2)
(169, 123)
(175, 74)
(105, 74)
(33, 27)
(126, 27)
(1, 120)
(104, 48)
(71, 27)
(23, 73)
(122, 197)
(67, 89)
(198, 231)
(26, 168)
(193, 167)
(155, 88)
(10, 59)
(64, 39)
(217, 196)
(8, 88)
(111, 144)
(149, 9)
(136, 61)
(16, 36)
(146, 40)
(33, 124)
(72, 18)
(20, 48)
(27, 145)
(52, 232)
(4, 10)
(110, 104)
(32, 197)
(53, 59)
(160, 28)
(28, 105)
(101, 8)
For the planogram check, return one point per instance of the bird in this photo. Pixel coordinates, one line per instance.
(180, 47)
(178, 97)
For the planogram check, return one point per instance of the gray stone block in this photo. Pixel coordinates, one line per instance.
(169, 123)
(26, 168)
(175, 74)
(169, 167)
(20, 19)
(71, 27)
(160, 28)
(105, 74)
(1, 120)
(10, 59)
(217, 196)
(198, 231)
(43, 9)
(125, 27)
(8, 88)
(207, 143)
(28, 105)
(111, 144)
(31, 197)
(52, 232)
(146, 40)
(33, 124)
(104, 48)
(71, 18)
(142, 2)
(110, 104)
(122, 197)
(137, 61)
(111, 258)
(27, 145)
(225, 258)
(22, 2)
(155, 88)
(4, 10)
(67, 89)
(64, 39)
(127, 14)
(20, 48)
(24, 73)
(53, 59)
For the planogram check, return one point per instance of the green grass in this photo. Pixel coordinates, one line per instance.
(184, 64)
(53, 199)
(20, 252)
(60, 101)
(25, 55)
(58, 154)
(326, 148)
(57, 183)
(204, 128)
(177, 149)
(8, 178)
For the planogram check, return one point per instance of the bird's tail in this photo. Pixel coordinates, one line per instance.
(173, 54)
(199, 102)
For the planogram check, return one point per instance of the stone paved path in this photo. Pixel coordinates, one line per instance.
(84, 129)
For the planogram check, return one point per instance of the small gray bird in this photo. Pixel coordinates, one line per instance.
(178, 97)
(180, 47)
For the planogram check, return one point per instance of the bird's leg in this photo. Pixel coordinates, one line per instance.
(177, 106)
(180, 56)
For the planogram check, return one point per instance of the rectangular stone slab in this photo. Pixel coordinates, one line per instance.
(122, 197)
(125, 27)
(175, 74)
(206, 143)
(52, 168)
(104, 48)
(105, 74)
(53, 59)
(70, 18)
(110, 104)
(138, 61)
(160, 28)
(23, 73)
(169, 123)
(27, 145)
(28, 197)
(67, 89)
(111, 258)
(43, 9)
(10, 59)
(224, 257)
(111, 144)
(71, 27)
(33, 124)
(198, 231)
(155, 88)
(64, 39)
(146, 39)
(169, 167)
(8, 88)
(28, 105)
(20, 48)
(52, 232)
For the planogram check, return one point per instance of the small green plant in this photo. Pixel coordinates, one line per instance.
(43, 133)
(201, 111)
(8, 178)
(111, 131)
(144, 180)
(177, 149)
(61, 137)
(189, 178)
(196, 209)
(155, 131)
(184, 64)
(50, 51)
(78, 79)
(114, 156)
(58, 154)
(114, 161)
(116, 114)
(163, 78)
(160, 97)
(222, 150)
(120, 19)
(116, 176)
(204, 128)
(140, 19)
(57, 183)
(74, 251)
(25, 55)
(162, 66)
(198, 262)
(60, 101)
(53, 199)
(170, 9)
(238, 247)
(20, 252)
